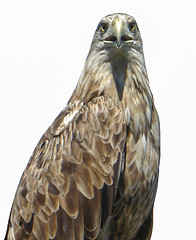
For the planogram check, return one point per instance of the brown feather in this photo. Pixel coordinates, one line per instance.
(94, 173)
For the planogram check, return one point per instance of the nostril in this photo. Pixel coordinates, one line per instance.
(111, 39)
(126, 38)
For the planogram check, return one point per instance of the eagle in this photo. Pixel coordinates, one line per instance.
(94, 172)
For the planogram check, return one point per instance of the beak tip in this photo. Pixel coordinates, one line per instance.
(118, 44)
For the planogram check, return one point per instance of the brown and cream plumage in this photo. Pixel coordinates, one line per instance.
(94, 173)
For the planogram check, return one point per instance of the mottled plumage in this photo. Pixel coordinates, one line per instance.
(94, 173)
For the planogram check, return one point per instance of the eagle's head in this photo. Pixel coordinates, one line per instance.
(115, 59)
(117, 34)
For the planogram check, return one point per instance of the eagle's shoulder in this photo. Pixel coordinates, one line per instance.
(64, 180)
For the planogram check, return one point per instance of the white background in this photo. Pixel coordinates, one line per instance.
(43, 46)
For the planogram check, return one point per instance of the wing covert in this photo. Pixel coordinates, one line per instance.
(62, 185)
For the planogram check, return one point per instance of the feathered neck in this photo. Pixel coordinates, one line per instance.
(110, 77)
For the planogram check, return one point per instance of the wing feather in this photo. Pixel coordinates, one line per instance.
(61, 191)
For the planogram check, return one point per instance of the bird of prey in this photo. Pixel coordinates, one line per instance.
(94, 172)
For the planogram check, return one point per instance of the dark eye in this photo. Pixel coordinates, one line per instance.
(132, 26)
(103, 27)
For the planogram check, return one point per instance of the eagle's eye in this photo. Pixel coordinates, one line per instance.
(132, 26)
(103, 27)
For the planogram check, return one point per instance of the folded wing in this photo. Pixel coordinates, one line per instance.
(68, 187)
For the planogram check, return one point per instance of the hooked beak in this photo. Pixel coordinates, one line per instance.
(119, 33)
